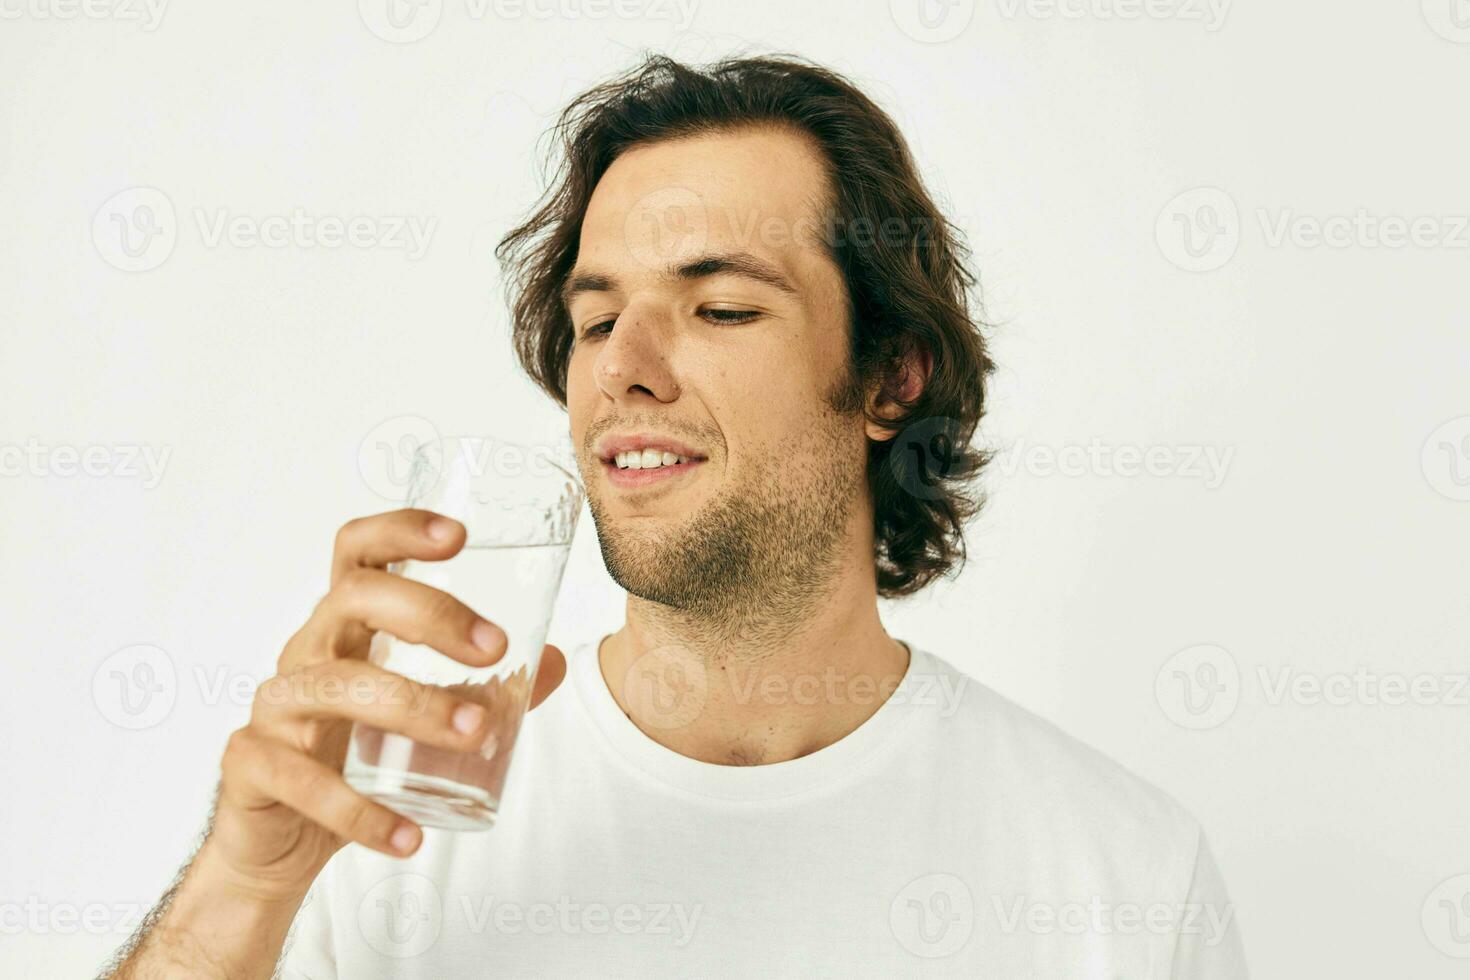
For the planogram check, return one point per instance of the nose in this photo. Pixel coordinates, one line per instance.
(634, 359)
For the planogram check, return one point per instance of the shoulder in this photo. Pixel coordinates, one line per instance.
(1036, 772)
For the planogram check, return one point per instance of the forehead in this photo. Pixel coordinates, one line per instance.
(757, 190)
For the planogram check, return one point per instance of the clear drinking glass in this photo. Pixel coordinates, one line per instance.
(519, 505)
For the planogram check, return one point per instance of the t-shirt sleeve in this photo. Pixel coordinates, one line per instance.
(1209, 946)
(308, 954)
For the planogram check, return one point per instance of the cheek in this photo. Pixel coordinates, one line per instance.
(581, 397)
(769, 418)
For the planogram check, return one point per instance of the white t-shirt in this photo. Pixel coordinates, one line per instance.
(952, 833)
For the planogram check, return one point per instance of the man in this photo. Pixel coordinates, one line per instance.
(739, 277)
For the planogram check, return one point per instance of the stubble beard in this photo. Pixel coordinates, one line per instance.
(753, 564)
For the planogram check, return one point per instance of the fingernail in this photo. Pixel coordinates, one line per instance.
(404, 838)
(467, 718)
(441, 529)
(486, 636)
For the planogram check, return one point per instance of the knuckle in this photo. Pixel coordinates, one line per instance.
(438, 608)
(353, 584)
(361, 821)
(325, 681)
(235, 747)
(272, 693)
(242, 755)
(347, 534)
(313, 784)
(394, 691)
(308, 646)
(321, 610)
(313, 737)
(295, 649)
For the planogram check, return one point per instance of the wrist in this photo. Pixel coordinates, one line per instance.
(218, 924)
(213, 872)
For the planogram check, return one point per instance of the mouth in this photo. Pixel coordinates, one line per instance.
(633, 478)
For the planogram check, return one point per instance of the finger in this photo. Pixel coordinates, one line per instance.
(260, 771)
(412, 612)
(365, 692)
(550, 674)
(373, 542)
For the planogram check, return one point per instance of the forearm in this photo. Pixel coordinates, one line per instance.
(209, 927)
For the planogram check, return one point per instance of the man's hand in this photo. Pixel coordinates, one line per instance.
(283, 807)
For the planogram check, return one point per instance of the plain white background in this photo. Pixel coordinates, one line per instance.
(1231, 234)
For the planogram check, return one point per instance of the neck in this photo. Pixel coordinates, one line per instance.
(751, 690)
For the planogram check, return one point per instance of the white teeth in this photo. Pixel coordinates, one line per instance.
(647, 459)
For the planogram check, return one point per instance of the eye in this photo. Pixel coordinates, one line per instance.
(730, 316)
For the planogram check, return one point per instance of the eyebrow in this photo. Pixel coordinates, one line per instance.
(741, 264)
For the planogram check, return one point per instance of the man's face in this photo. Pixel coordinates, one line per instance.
(745, 370)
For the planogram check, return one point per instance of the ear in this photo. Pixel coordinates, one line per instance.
(906, 383)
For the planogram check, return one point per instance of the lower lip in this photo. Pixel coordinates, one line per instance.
(633, 479)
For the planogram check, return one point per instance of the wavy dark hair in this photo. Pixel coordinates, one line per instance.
(909, 289)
